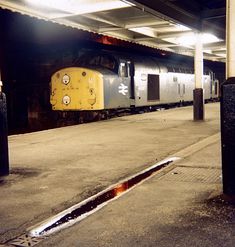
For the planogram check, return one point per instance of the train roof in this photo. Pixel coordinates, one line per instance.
(164, 64)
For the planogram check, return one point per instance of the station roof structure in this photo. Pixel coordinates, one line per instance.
(168, 25)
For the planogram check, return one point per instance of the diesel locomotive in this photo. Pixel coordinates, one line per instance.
(102, 81)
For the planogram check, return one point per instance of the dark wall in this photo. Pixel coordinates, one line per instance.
(31, 50)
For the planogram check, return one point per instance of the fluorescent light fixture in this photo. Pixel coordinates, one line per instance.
(180, 27)
(209, 38)
(80, 6)
(189, 40)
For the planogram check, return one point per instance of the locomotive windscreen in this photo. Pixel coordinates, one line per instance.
(98, 60)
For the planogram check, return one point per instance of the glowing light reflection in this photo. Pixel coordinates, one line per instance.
(80, 6)
(189, 40)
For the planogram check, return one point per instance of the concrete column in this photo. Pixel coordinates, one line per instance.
(198, 98)
(230, 39)
(228, 108)
(4, 159)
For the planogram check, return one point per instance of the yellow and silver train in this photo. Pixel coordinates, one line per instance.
(104, 81)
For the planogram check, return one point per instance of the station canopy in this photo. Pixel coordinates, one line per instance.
(168, 25)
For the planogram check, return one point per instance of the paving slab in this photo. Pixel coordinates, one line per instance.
(54, 169)
(180, 207)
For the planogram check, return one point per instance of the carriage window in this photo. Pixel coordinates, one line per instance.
(123, 70)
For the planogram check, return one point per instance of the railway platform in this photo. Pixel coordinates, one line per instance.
(180, 205)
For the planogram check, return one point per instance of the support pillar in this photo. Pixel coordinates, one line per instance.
(198, 98)
(4, 159)
(228, 108)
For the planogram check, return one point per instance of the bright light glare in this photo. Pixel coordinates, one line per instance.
(180, 27)
(80, 6)
(209, 38)
(189, 40)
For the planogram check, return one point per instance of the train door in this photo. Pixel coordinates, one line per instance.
(131, 69)
(153, 87)
(125, 88)
(181, 88)
(214, 88)
(214, 84)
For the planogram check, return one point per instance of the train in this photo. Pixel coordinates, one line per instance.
(104, 81)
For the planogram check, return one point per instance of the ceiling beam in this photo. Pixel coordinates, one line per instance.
(169, 11)
(109, 29)
(174, 34)
(77, 25)
(216, 45)
(145, 31)
(144, 39)
(106, 20)
(222, 52)
(167, 45)
(149, 23)
(213, 13)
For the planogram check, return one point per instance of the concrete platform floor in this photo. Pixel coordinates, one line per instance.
(54, 169)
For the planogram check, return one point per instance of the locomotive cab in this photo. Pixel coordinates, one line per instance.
(99, 81)
(76, 88)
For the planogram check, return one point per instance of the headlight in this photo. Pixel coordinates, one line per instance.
(66, 79)
(66, 100)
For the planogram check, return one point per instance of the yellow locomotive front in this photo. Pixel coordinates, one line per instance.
(77, 88)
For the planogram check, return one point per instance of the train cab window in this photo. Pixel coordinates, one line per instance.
(99, 60)
(107, 62)
(94, 61)
(123, 69)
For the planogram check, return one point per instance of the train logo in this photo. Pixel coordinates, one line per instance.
(123, 89)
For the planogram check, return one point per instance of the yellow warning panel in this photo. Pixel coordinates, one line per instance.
(77, 89)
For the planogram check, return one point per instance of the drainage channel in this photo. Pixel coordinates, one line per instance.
(89, 206)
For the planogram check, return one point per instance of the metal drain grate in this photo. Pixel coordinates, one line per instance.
(81, 210)
(25, 240)
(194, 175)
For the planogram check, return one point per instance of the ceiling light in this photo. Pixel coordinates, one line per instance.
(189, 40)
(80, 6)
